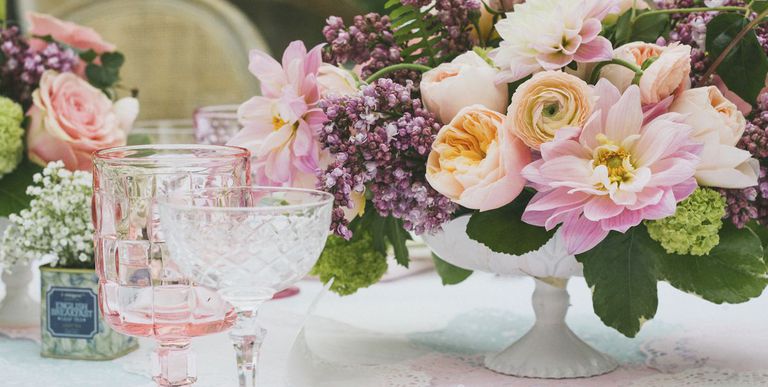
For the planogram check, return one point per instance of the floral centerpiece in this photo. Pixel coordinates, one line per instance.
(633, 131)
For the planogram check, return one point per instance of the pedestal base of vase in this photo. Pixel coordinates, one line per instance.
(18, 309)
(550, 349)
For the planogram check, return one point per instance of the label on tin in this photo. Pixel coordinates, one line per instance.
(72, 312)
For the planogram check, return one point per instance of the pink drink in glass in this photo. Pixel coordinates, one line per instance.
(141, 293)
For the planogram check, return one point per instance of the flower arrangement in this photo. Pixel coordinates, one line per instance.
(58, 102)
(57, 224)
(635, 131)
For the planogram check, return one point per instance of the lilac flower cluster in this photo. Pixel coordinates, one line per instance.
(21, 66)
(380, 139)
(750, 203)
(454, 16)
(369, 42)
(743, 205)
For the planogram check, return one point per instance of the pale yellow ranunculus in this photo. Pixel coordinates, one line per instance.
(547, 102)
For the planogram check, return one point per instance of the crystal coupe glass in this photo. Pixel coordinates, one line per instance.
(248, 243)
(141, 292)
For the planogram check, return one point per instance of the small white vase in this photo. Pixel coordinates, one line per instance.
(550, 349)
(18, 309)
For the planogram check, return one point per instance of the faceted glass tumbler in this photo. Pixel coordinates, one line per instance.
(248, 243)
(216, 124)
(141, 291)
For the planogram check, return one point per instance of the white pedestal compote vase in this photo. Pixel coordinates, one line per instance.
(248, 244)
(550, 349)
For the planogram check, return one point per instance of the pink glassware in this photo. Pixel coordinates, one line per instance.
(216, 124)
(141, 293)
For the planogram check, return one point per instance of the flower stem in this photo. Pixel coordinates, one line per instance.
(396, 67)
(720, 58)
(690, 10)
(593, 78)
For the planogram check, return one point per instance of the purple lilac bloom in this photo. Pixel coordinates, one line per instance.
(744, 205)
(380, 139)
(368, 42)
(751, 203)
(22, 67)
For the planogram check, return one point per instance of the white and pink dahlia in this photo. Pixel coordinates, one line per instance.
(550, 34)
(613, 173)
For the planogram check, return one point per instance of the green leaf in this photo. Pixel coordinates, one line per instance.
(623, 29)
(650, 28)
(372, 222)
(502, 230)
(758, 5)
(88, 56)
(450, 274)
(762, 232)
(621, 271)
(139, 139)
(112, 59)
(745, 66)
(733, 272)
(397, 236)
(13, 187)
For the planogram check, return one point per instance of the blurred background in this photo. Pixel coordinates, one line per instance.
(184, 54)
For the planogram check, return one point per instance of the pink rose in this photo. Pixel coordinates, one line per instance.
(70, 119)
(71, 34)
(667, 75)
(476, 161)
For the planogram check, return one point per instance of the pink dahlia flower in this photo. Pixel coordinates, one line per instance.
(613, 173)
(280, 127)
(550, 34)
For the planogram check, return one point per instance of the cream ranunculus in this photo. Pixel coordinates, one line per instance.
(547, 102)
(332, 80)
(718, 124)
(465, 81)
(666, 75)
(476, 162)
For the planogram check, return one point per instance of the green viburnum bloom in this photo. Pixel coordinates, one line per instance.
(11, 134)
(353, 264)
(694, 227)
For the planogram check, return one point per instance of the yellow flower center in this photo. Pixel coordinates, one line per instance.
(616, 159)
(278, 122)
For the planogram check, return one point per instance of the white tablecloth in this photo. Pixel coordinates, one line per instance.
(415, 332)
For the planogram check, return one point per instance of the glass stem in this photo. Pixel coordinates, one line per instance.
(247, 337)
(173, 364)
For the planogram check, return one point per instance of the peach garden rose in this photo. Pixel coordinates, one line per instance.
(666, 75)
(70, 119)
(718, 125)
(476, 162)
(465, 81)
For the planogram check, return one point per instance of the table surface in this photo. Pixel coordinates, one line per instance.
(415, 332)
